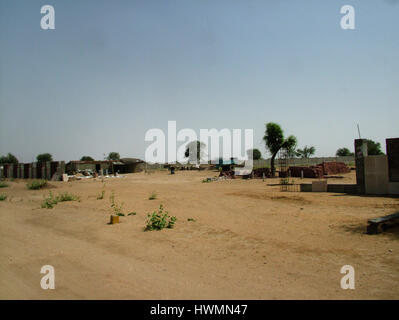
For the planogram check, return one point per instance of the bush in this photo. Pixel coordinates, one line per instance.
(152, 196)
(101, 195)
(3, 197)
(159, 220)
(36, 184)
(67, 197)
(51, 201)
(3, 184)
(115, 206)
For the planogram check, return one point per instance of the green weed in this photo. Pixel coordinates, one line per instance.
(3, 184)
(36, 184)
(52, 200)
(115, 206)
(152, 196)
(159, 220)
(101, 195)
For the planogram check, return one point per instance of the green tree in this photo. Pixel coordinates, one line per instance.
(343, 152)
(194, 151)
(254, 154)
(274, 140)
(113, 156)
(44, 157)
(373, 148)
(9, 158)
(306, 152)
(86, 158)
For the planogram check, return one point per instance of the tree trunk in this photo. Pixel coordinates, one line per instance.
(273, 169)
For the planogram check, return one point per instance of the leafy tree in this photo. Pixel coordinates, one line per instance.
(274, 140)
(194, 151)
(306, 152)
(86, 158)
(254, 154)
(373, 148)
(113, 156)
(343, 152)
(9, 158)
(44, 157)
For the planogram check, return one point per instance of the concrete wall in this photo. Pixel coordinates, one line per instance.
(349, 160)
(377, 176)
(360, 153)
(393, 158)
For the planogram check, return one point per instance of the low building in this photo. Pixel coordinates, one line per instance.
(125, 165)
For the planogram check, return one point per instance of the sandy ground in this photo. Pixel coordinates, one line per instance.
(249, 241)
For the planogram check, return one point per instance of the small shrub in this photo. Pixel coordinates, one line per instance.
(3, 197)
(49, 202)
(36, 184)
(67, 197)
(131, 213)
(115, 206)
(191, 220)
(159, 220)
(3, 184)
(152, 196)
(101, 195)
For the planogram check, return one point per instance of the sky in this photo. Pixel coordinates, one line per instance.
(112, 70)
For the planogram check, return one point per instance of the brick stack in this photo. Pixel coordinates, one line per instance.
(334, 168)
(322, 169)
(308, 172)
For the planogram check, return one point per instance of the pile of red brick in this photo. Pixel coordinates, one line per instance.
(308, 172)
(334, 168)
(322, 169)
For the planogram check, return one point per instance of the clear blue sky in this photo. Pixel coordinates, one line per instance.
(111, 70)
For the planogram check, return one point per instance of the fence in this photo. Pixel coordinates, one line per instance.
(34, 170)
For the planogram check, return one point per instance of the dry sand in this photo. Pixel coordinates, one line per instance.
(249, 241)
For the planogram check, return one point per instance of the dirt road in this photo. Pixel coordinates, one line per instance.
(248, 241)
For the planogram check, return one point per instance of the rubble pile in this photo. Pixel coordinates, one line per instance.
(227, 174)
